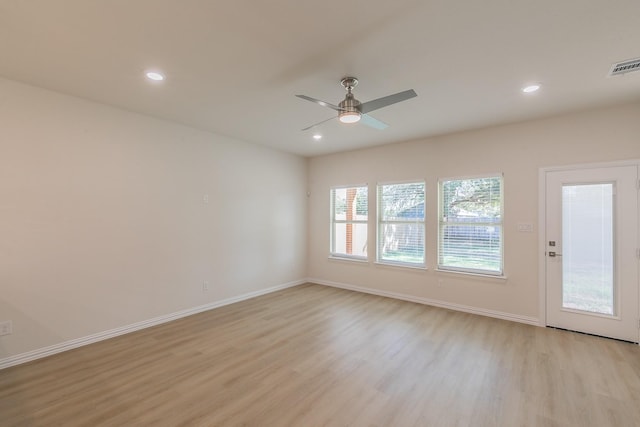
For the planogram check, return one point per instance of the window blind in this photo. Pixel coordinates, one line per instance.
(401, 231)
(470, 225)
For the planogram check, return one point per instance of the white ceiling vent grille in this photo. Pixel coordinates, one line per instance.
(625, 67)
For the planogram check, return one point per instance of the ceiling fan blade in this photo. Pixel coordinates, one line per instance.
(373, 122)
(319, 123)
(375, 104)
(317, 101)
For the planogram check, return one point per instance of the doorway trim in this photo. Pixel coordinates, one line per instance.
(542, 223)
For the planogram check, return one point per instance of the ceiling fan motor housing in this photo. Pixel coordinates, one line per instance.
(350, 105)
(350, 109)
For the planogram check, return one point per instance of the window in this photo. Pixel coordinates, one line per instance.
(349, 212)
(401, 224)
(470, 225)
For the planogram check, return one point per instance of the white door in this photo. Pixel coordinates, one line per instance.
(591, 250)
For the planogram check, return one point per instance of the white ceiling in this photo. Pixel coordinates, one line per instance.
(233, 67)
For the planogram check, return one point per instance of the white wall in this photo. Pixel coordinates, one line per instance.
(103, 224)
(518, 151)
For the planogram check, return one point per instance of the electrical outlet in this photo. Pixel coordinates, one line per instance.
(205, 286)
(6, 328)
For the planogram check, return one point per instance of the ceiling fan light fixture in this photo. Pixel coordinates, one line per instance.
(349, 117)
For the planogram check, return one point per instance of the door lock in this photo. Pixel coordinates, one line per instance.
(553, 254)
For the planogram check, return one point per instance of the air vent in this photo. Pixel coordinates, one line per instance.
(625, 67)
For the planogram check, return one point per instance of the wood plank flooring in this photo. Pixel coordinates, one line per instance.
(319, 356)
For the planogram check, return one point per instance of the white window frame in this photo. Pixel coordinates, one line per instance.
(442, 224)
(334, 222)
(381, 222)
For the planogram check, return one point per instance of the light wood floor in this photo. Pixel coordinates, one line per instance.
(315, 356)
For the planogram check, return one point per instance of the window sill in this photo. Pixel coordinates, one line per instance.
(349, 259)
(394, 265)
(478, 275)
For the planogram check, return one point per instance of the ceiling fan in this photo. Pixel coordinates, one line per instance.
(350, 110)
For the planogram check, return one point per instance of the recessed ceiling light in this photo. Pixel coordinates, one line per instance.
(155, 76)
(531, 88)
(317, 137)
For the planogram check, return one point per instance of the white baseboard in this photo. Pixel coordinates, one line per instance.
(100, 336)
(436, 303)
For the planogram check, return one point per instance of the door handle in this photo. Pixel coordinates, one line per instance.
(553, 254)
